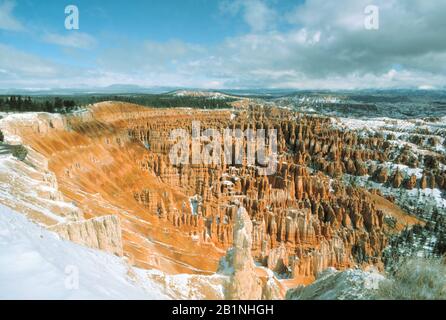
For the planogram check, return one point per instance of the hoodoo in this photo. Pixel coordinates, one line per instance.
(113, 162)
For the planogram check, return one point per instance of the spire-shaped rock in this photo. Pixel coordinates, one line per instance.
(243, 282)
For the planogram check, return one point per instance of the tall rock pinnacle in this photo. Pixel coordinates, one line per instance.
(244, 282)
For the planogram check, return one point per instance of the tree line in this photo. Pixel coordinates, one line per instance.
(168, 101)
(17, 103)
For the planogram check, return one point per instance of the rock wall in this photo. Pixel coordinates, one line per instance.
(102, 233)
(30, 187)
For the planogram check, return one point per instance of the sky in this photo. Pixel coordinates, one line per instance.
(218, 44)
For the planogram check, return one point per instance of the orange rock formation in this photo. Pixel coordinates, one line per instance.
(114, 160)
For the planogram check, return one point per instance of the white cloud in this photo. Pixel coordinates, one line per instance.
(19, 64)
(327, 44)
(324, 46)
(151, 56)
(7, 20)
(426, 87)
(71, 39)
(256, 13)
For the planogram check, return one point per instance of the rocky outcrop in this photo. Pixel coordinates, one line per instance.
(245, 280)
(351, 284)
(243, 284)
(102, 233)
(397, 179)
(411, 182)
(28, 185)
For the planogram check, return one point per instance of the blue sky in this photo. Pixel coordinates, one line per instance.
(222, 44)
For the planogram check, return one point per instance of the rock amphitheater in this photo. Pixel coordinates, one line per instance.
(103, 178)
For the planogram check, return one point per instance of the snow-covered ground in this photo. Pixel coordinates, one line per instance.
(205, 94)
(401, 131)
(37, 264)
(350, 284)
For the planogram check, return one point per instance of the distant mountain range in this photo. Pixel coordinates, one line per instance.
(272, 93)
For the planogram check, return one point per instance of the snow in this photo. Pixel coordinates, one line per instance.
(350, 284)
(193, 203)
(433, 194)
(402, 131)
(206, 94)
(386, 125)
(191, 287)
(30, 188)
(356, 124)
(36, 264)
(418, 172)
(26, 119)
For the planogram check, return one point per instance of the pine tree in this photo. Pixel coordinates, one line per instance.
(49, 107)
(58, 103)
(20, 103)
(28, 104)
(13, 102)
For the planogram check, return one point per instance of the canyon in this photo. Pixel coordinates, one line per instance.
(103, 178)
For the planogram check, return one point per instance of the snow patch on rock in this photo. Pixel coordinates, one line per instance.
(351, 284)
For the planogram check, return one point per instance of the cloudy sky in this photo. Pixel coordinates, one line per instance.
(311, 44)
